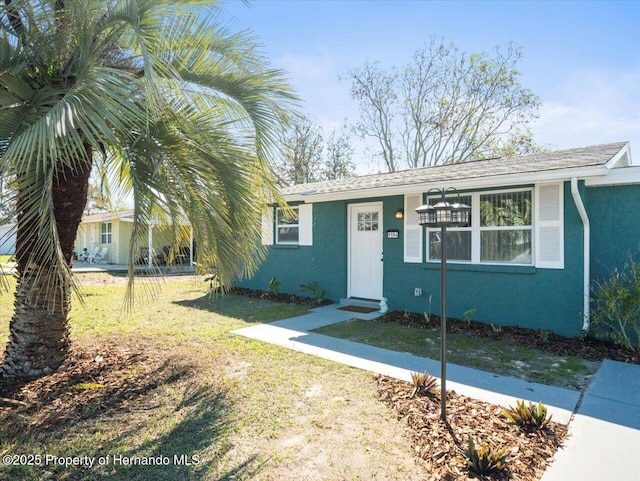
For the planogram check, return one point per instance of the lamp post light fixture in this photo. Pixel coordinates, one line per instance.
(443, 215)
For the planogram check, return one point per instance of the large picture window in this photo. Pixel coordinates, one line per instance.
(105, 233)
(287, 227)
(501, 230)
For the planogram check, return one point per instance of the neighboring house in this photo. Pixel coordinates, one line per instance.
(111, 232)
(7, 239)
(544, 226)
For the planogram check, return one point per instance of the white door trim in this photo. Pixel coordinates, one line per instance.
(377, 205)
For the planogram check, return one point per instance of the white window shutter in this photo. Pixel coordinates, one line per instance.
(412, 230)
(267, 227)
(549, 222)
(305, 224)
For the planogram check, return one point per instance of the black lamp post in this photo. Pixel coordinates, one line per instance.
(443, 215)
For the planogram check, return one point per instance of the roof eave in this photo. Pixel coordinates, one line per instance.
(618, 176)
(462, 184)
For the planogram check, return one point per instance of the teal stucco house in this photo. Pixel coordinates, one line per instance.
(543, 228)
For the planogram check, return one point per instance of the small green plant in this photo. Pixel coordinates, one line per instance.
(496, 327)
(427, 315)
(485, 461)
(316, 293)
(84, 386)
(424, 384)
(274, 286)
(468, 315)
(529, 417)
(616, 306)
(544, 335)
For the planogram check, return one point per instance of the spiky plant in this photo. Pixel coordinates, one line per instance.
(529, 417)
(484, 461)
(424, 384)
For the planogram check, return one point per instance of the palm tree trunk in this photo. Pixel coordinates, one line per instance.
(39, 329)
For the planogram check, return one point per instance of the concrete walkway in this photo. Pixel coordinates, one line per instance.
(604, 442)
(604, 433)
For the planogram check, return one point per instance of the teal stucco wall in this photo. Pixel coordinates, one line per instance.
(324, 262)
(502, 295)
(614, 215)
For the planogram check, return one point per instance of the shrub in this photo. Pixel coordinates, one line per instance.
(529, 417)
(424, 384)
(486, 461)
(616, 306)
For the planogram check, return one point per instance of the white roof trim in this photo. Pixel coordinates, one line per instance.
(617, 176)
(621, 159)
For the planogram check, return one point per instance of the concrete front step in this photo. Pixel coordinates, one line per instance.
(353, 301)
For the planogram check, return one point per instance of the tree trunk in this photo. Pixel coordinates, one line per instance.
(39, 329)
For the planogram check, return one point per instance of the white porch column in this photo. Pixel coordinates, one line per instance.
(190, 246)
(150, 262)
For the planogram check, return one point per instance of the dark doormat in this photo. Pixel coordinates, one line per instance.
(362, 310)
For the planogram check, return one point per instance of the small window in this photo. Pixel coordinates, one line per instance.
(105, 233)
(287, 227)
(368, 221)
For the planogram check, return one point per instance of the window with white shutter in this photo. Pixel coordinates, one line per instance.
(412, 230)
(305, 216)
(549, 224)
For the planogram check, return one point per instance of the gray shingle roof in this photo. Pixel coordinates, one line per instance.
(593, 156)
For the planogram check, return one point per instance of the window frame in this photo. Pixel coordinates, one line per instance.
(279, 226)
(106, 232)
(476, 229)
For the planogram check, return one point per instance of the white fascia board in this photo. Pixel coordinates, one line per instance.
(617, 176)
(464, 184)
(624, 152)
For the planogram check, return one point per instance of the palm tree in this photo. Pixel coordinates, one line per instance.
(180, 114)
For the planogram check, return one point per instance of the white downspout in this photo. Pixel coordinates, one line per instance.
(587, 253)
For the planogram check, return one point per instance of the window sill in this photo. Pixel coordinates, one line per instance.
(501, 268)
(285, 246)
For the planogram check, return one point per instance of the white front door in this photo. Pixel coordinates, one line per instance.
(365, 250)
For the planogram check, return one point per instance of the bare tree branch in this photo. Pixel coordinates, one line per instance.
(446, 106)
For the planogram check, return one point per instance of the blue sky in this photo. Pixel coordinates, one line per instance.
(581, 58)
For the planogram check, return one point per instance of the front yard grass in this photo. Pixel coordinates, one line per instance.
(497, 356)
(170, 384)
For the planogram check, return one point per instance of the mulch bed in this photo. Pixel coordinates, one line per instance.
(438, 444)
(279, 297)
(587, 348)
